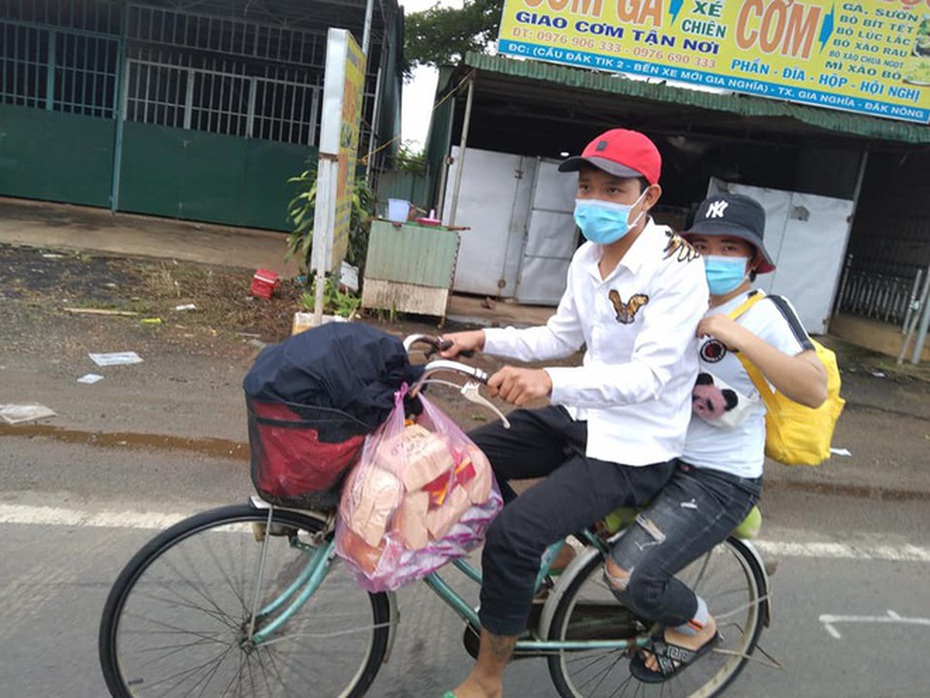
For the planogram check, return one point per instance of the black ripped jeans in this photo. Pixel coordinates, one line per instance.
(697, 509)
(576, 492)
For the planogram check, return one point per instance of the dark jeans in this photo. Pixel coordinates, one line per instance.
(697, 509)
(576, 492)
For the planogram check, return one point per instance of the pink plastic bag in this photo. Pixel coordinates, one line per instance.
(420, 495)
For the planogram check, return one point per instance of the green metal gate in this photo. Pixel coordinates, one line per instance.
(144, 107)
(219, 113)
(59, 77)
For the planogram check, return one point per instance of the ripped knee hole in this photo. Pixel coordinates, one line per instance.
(617, 577)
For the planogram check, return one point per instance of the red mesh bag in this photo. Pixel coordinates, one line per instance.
(292, 464)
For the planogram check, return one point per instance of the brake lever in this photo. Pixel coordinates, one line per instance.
(443, 344)
(471, 393)
(433, 344)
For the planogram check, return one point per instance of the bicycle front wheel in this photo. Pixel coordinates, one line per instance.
(728, 577)
(181, 618)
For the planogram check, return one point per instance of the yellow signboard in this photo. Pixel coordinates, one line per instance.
(870, 57)
(348, 144)
(339, 135)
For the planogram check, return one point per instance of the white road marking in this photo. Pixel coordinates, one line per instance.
(55, 516)
(830, 621)
(156, 520)
(847, 551)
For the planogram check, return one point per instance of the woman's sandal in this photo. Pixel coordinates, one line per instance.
(670, 658)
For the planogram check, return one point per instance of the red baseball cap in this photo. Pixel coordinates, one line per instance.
(619, 152)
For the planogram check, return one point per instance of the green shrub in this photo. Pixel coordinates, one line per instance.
(301, 211)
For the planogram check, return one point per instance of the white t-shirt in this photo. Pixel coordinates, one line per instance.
(740, 450)
(638, 328)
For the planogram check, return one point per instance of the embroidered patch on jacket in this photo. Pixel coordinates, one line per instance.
(679, 248)
(713, 350)
(626, 312)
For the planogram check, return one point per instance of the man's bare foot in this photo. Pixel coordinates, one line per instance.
(471, 687)
(689, 642)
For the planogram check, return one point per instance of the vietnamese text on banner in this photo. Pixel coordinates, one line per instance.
(868, 57)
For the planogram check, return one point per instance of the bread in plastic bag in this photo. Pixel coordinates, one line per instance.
(420, 495)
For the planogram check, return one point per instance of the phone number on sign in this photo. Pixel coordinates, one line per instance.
(654, 54)
(584, 42)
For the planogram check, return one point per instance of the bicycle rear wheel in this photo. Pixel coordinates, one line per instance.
(177, 621)
(728, 577)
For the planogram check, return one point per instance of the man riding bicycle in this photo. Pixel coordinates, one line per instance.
(635, 293)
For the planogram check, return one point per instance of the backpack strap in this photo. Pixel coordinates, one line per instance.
(762, 385)
(754, 297)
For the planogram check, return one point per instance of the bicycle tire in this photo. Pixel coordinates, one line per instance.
(729, 577)
(175, 621)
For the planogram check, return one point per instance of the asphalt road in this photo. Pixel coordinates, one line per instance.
(71, 515)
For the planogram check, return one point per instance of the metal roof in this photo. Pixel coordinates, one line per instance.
(530, 85)
(312, 15)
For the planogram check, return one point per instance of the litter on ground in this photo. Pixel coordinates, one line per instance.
(100, 311)
(14, 414)
(90, 378)
(117, 358)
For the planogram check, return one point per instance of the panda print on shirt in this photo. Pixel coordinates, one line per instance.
(718, 404)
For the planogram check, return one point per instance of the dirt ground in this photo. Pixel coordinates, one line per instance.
(52, 301)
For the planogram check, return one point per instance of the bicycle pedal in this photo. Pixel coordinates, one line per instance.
(471, 640)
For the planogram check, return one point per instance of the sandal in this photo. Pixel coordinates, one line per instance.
(671, 659)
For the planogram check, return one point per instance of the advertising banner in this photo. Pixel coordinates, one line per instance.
(339, 135)
(870, 57)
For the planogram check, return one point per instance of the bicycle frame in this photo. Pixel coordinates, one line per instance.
(320, 560)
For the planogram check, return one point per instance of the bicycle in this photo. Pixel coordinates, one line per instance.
(251, 600)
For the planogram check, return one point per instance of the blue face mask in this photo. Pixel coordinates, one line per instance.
(724, 274)
(604, 222)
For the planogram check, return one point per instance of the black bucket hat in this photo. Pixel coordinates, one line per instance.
(737, 216)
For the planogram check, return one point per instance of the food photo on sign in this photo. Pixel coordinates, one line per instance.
(918, 70)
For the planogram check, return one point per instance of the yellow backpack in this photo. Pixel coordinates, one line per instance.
(796, 434)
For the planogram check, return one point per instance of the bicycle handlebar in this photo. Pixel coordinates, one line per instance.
(470, 389)
(438, 365)
(436, 344)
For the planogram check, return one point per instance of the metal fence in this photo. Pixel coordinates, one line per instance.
(64, 55)
(223, 75)
(888, 295)
(228, 36)
(82, 15)
(222, 96)
(58, 69)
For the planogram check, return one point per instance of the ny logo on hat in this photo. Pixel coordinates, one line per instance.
(601, 145)
(716, 209)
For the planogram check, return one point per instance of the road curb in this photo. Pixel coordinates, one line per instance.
(221, 448)
(885, 494)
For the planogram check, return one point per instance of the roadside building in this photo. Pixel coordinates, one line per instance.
(848, 217)
(197, 110)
